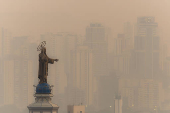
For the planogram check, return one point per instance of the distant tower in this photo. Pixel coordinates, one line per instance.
(81, 80)
(118, 104)
(96, 40)
(6, 64)
(146, 48)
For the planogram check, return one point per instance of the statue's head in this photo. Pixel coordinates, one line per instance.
(43, 50)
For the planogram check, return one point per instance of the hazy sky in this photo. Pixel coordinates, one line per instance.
(33, 17)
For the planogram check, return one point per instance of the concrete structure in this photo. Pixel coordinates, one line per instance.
(141, 94)
(128, 32)
(1, 83)
(81, 80)
(75, 109)
(25, 67)
(96, 40)
(146, 53)
(121, 55)
(9, 81)
(43, 102)
(118, 104)
(5, 53)
(5, 41)
(120, 58)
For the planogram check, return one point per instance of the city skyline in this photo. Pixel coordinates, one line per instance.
(88, 73)
(114, 56)
(37, 17)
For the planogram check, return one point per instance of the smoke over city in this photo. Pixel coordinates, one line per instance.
(113, 56)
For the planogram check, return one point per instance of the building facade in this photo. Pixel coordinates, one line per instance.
(141, 94)
(146, 48)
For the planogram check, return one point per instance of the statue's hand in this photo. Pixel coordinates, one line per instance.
(56, 60)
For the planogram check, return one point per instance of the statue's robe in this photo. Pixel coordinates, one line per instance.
(43, 67)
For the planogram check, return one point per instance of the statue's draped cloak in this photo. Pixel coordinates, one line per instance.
(43, 67)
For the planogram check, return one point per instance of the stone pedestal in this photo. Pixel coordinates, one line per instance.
(43, 104)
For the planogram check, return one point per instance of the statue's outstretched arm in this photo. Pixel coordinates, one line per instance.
(51, 61)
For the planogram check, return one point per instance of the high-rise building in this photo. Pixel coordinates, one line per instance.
(120, 58)
(24, 70)
(2, 83)
(146, 48)
(8, 81)
(96, 40)
(141, 94)
(5, 45)
(81, 80)
(5, 39)
(128, 32)
(164, 57)
(118, 104)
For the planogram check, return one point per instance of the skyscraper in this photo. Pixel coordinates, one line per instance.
(146, 48)
(141, 94)
(128, 32)
(121, 55)
(96, 40)
(2, 83)
(8, 81)
(6, 65)
(118, 104)
(6, 37)
(24, 70)
(120, 58)
(81, 81)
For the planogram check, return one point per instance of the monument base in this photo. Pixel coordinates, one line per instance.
(43, 104)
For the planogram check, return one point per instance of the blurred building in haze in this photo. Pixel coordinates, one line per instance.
(146, 55)
(75, 109)
(81, 79)
(141, 94)
(120, 58)
(118, 104)
(6, 85)
(96, 41)
(25, 70)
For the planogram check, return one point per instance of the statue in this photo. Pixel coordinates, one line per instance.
(43, 63)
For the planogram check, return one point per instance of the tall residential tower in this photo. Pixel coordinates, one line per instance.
(146, 48)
